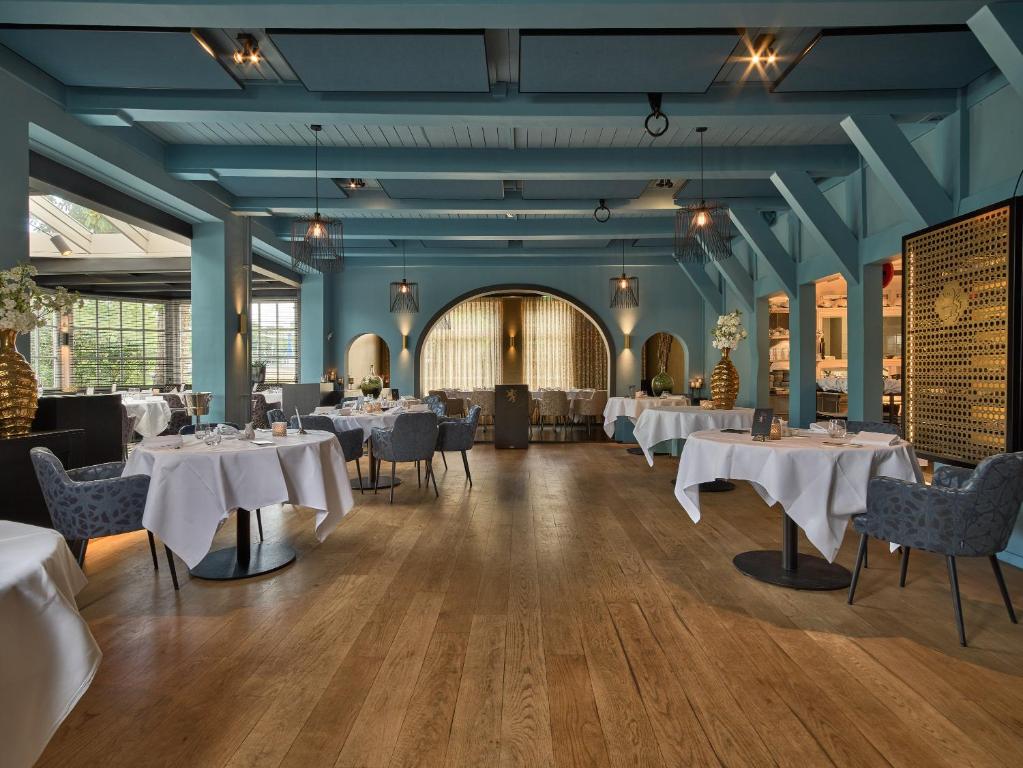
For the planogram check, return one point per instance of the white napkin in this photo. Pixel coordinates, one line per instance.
(818, 426)
(167, 441)
(877, 438)
(320, 409)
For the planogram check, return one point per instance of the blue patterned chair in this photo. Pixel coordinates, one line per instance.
(275, 414)
(260, 409)
(412, 438)
(93, 502)
(436, 404)
(459, 435)
(351, 439)
(963, 513)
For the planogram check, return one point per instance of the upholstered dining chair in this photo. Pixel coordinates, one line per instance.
(553, 404)
(260, 409)
(92, 502)
(459, 435)
(484, 398)
(436, 404)
(179, 415)
(412, 438)
(351, 440)
(963, 513)
(275, 414)
(590, 409)
(127, 430)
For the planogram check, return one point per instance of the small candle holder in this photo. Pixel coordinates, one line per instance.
(279, 429)
(776, 428)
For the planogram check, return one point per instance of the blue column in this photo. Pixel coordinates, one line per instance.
(315, 328)
(13, 191)
(760, 339)
(221, 289)
(803, 356)
(864, 333)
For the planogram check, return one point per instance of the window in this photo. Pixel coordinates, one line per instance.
(275, 339)
(46, 353)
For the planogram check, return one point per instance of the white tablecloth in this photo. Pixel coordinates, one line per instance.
(660, 423)
(272, 396)
(48, 656)
(841, 384)
(194, 488)
(819, 486)
(631, 407)
(152, 415)
(364, 421)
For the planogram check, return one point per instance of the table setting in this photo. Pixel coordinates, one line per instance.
(196, 482)
(152, 413)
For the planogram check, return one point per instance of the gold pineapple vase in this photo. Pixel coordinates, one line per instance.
(19, 394)
(724, 382)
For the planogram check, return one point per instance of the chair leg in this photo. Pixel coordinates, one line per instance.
(429, 463)
(903, 566)
(465, 463)
(957, 605)
(358, 472)
(392, 481)
(170, 563)
(152, 551)
(259, 523)
(445, 458)
(866, 557)
(861, 554)
(79, 553)
(376, 477)
(419, 475)
(997, 568)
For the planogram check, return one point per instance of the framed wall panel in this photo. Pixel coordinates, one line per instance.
(961, 323)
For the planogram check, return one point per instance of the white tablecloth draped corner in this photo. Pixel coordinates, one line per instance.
(48, 656)
(152, 415)
(660, 423)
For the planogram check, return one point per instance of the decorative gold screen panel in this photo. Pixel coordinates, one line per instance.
(956, 308)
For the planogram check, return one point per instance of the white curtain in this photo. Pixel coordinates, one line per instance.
(463, 350)
(562, 348)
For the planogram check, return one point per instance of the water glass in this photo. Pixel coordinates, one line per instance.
(213, 437)
(836, 428)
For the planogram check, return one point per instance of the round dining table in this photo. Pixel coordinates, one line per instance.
(632, 408)
(669, 422)
(48, 656)
(820, 483)
(152, 414)
(367, 421)
(195, 486)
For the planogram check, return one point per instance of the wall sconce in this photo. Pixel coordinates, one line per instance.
(628, 341)
(404, 342)
(511, 343)
(243, 323)
(65, 339)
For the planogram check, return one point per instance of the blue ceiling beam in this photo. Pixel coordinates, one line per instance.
(823, 221)
(503, 106)
(899, 168)
(762, 240)
(999, 28)
(709, 290)
(629, 228)
(739, 279)
(210, 163)
(494, 14)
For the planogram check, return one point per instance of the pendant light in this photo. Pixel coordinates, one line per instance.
(703, 231)
(624, 289)
(317, 241)
(404, 295)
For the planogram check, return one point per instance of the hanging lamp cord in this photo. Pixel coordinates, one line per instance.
(703, 198)
(316, 168)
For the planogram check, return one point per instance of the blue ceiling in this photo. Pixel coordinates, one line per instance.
(104, 58)
(555, 189)
(868, 60)
(621, 62)
(255, 186)
(364, 61)
(441, 189)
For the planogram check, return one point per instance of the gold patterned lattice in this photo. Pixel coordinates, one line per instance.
(957, 338)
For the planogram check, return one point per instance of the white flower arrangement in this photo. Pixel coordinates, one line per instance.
(728, 331)
(24, 305)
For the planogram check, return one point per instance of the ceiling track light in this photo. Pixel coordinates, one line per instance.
(664, 184)
(602, 214)
(355, 184)
(248, 53)
(763, 50)
(197, 36)
(653, 120)
(61, 245)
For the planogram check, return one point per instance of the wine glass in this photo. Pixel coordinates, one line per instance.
(836, 428)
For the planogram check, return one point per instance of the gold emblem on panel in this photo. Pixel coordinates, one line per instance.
(951, 303)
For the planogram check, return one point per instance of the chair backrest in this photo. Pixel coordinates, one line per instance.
(414, 436)
(828, 402)
(484, 398)
(127, 426)
(330, 398)
(436, 404)
(189, 429)
(473, 419)
(873, 426)
(259, 410)
(314, 421)
(440, 394)
(352, 443)
(554, 402)
(996, 489)
(275, 414)
(593, 406)
(173, 400)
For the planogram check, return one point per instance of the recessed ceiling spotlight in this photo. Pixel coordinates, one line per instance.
(197, 35)
(355, 184)
(763, 51)
(665, 183)
(61, 245)
(249, 52)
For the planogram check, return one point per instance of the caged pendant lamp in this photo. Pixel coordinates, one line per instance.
(703, 231)
(404, 295)
(624, 289)
(317, 241)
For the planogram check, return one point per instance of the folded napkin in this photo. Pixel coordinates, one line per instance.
(819, 426)
(321, 409)
(345, 411)
(877, 438)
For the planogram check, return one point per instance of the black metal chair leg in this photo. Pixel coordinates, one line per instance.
(80, 554)
(997, 568)
(419, 475)
(429, 463)
(376, 477)
(445, 458)
(152, 550)
(259, 523)
(861, 554)
(392, 481)
(903, 566)
(170, 563)
(358, 471)
(957, 605)
(465, 463)
(866, 557)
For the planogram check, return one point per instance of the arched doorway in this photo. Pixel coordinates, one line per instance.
(514, 334)
(663, 349)
(367, 352)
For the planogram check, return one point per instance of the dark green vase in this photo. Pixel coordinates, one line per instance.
(662, 382)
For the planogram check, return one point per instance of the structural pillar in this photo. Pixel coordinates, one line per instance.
(315, 326)
(13, 191)
(803, 356)
(865, 343)
(762, 358)
(221, 291)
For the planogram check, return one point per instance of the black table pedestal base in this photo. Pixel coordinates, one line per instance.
(717, 486)
(788, 568)
(223, 564)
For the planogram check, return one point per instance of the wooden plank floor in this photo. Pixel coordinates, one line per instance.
(563, 612)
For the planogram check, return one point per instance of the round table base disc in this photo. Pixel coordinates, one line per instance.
(717, 486)
(367, 484)
(634, 451)
(812, 572)
(222, 564)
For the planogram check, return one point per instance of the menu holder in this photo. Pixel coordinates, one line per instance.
(761, 429)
